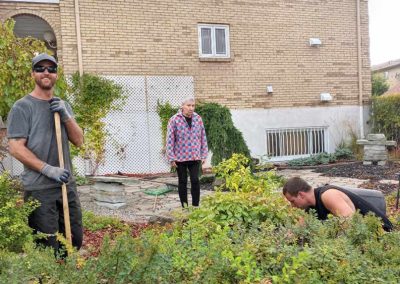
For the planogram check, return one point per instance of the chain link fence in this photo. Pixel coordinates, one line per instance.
(134, 144)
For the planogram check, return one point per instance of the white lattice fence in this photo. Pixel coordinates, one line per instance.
(135, 142)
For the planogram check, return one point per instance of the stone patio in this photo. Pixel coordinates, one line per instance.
(140, 205)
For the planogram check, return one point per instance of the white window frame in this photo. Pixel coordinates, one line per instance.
(213, 41)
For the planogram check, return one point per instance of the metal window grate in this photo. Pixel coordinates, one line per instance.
(290, 143)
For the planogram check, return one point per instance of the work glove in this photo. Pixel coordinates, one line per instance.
(55, 173)
(58, 105)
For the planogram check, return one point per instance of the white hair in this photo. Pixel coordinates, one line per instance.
(188, 99)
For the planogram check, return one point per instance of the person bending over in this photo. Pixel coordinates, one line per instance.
(329, 200)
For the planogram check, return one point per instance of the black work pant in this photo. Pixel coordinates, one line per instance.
(48, 218)
(182, 169)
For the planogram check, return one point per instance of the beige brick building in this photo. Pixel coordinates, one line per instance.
(233, 51)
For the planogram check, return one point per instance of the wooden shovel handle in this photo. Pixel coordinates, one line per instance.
(67, 223)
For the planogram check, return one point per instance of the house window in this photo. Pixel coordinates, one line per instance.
(291, 143)
(213, 41)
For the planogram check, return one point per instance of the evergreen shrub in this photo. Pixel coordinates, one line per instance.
(223, 137)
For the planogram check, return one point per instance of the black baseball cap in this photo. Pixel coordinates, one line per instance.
(43, 57)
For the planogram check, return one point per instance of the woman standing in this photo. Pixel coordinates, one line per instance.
(187, 149)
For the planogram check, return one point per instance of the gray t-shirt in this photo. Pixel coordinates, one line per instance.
(31, 118)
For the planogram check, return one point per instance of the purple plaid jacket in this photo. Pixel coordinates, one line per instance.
(184, 143)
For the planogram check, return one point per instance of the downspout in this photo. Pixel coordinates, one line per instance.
(78, 37)
(359, 60)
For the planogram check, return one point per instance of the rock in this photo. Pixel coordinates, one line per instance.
(113, 206)
(161, 220)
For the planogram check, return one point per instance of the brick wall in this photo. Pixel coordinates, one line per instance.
(48, 12)
(268, 43)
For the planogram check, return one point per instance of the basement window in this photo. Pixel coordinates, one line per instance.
(213, 41)
(291, 143)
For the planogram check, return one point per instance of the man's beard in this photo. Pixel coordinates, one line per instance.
(46, 87)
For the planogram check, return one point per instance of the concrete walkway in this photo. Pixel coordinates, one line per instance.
(144, 208)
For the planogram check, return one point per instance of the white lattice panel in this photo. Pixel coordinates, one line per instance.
(172, 89)
(135, 143)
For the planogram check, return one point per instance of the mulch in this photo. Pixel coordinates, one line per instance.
(373, 173)
(360, 171)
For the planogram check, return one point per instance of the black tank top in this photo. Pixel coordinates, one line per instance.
(360, 204)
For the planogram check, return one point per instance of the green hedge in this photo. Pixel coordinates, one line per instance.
(386, 116)
(244, 235)
(223, 137)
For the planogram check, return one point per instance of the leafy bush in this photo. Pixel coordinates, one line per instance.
(223, 137)
(386, 116)
(93, 97)
(322, 158)
(237, 176)
(239, 236)
(336, 251)
(344, 153)
(14, 229)
(16, 66)
(379, 85)
(94, 222)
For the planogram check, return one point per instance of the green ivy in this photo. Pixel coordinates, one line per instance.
(93, 97)
(223, 137)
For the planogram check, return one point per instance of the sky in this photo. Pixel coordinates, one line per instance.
(384, 25)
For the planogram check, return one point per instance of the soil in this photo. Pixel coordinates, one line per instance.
(374, 173)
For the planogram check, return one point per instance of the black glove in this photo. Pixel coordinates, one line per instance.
(58, 105)
(55, 173)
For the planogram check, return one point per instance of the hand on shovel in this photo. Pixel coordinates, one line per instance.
(55, 173)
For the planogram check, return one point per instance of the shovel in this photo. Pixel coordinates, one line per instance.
(67, 223)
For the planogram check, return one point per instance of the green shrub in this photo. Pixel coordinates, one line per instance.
(223, 137)
(94, 223)
(14, 229)
(322, 158)
(379, 85)
(239, 236)
(344, 153)
(93, 97)
(238, 177)
(385, 116)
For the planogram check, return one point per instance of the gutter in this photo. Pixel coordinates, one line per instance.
(78, 37)
(360, 82)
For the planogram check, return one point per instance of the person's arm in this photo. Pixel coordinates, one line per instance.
(75, 133)
(171, 142)
(336, 203)
(204, 146)
(18, 149)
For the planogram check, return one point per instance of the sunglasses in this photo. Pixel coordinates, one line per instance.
(41, 69)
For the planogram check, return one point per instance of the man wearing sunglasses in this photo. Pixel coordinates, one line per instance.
(32, 140)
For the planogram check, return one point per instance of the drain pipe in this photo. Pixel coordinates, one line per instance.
(78, 37)
(359, 60)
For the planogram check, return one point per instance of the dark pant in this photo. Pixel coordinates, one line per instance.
(182, 169)
(48, 218)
